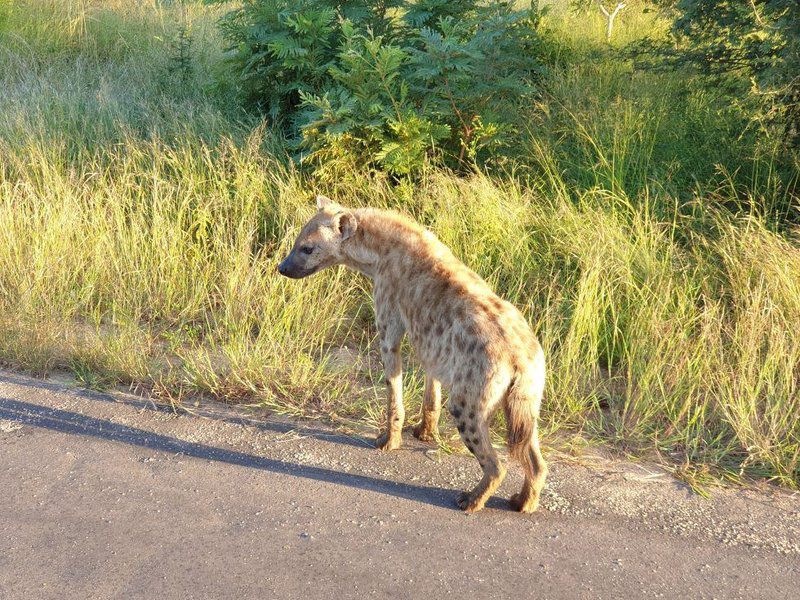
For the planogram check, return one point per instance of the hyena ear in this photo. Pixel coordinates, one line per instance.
(346, 224)
(324, 202)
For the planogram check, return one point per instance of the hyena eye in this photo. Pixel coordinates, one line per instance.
(307, 249)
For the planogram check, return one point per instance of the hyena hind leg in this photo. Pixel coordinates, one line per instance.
(535, 469)
(474, 429)
(428, 427)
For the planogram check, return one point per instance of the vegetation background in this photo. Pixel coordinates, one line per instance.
(644, 218)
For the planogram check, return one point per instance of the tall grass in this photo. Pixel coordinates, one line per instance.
(141, 218)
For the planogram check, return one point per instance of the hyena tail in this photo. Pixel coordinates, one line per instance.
(522, 413)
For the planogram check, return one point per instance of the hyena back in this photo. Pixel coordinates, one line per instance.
(467, 338)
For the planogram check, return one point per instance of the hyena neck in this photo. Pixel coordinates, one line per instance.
(378, 233)
(360, 258)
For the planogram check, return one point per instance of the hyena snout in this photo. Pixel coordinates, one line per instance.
(289, 267)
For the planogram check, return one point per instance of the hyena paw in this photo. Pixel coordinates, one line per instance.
(387, 441)
(524, 503)
(468, 502)
(424, 433)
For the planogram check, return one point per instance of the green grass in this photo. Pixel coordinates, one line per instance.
(142, 215)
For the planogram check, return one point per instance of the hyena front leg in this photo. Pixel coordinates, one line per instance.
(473, 426)
(391, 331)
(428, 427)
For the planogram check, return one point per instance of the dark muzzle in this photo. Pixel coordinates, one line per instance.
(288, 268)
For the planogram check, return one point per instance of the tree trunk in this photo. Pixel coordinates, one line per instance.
(610, 16)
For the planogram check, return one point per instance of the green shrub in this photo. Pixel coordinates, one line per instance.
(390, 85)
(753, 48)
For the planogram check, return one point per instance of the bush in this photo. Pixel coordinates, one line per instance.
(390, 85)
(753, 47)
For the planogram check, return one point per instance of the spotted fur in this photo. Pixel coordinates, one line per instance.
(467, 339)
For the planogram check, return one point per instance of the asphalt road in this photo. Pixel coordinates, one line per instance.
(109, 496)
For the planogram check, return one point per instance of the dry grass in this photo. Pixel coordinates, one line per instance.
(141, 219)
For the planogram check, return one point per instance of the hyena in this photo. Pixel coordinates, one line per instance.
(466, 338)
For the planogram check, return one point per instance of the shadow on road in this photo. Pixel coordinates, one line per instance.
(75, 423)
(223, 413)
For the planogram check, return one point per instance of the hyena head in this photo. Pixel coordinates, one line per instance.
(319, 244)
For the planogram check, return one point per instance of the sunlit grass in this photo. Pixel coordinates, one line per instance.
(141, 219)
